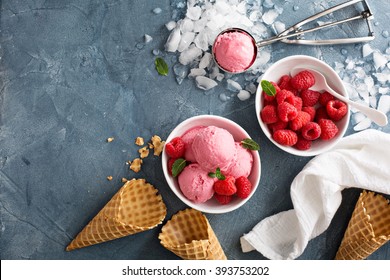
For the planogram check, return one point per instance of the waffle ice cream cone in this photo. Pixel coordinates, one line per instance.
(189, 235)
(134, 208)
(368, 229)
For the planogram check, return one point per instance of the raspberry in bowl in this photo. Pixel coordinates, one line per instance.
(296, 118)
(219, 168)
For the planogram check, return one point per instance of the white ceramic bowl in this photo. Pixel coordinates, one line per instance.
(212, 205)
(283, 67)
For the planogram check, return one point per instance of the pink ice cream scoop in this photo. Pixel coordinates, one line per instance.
(195, 183)
(214, 147)
(234, 50)
(242, 166)
(188, 139)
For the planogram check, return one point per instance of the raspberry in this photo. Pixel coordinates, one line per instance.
(171, 161)
(226, 186)
(302, 119)
(269, 114)
(328, 129)
(310, 97)
(336, 109)
(325, 97)
(298, 103)
(269, 97)
(287, 112)
(277, 125)
(244, 187)
(321, 114)
(284, 83)
(302, 144)
(303, 80)
(311, 131)
(223, 199)
(175, 148)
(285, 96)
(285, 137)
(311, 111)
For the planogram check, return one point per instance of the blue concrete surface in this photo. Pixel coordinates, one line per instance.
(72, 74)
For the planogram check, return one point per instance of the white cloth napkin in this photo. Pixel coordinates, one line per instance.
(361, 160)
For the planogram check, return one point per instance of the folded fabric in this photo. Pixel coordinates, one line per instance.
(361, 160)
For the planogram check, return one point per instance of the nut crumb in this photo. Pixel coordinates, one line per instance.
(109, 178)
(144, 152)
(110, 139)
(124, 180)
(139, 141)
(158, 145)
(136, 165)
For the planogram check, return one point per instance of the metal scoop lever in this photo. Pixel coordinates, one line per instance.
(296, 30)
(321, 84)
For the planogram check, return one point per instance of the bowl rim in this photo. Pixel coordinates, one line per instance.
(341, 88)
(170, 180)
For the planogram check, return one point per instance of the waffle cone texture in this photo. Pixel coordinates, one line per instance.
(136, 207)
(368, 229)
(189, 235)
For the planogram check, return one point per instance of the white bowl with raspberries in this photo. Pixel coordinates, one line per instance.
(207, 192)
(297, 119)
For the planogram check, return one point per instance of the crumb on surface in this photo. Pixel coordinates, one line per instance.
(139, 141)
(158, 145)
(143, 152)
(136, 165)
(110, 139)
(109, 178)
(124, 180)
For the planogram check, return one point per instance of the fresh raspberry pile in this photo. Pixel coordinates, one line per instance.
(227, 188)
(296, 116)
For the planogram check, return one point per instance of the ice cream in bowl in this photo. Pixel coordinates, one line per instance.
(211, 164)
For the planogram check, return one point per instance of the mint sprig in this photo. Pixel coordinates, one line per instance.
(178, 166)
(161, 66)
(268, 88)
(217, 174)
(250, 144)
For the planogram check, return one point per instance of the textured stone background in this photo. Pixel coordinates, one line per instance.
(72, 74)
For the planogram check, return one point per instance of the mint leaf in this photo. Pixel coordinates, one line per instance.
(250, 144)
(217, 174)
(161, 66)
(178, 166)
(268, 88)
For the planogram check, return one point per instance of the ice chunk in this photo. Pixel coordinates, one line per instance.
(173, 40)
(194, 12)
(243, 95)
(364, 124)
(170, 25)
(181, 71)
(196, 72)
(384, 104)
(270, 16)
(233, 85)
(279, 27)
(241, 7)
(186, 25)
(220, 77)
(157, 11)
(205, 83)
(216, 22)
(367, 50)
(186, 40)
(224, 97)
(214, 72)
(222, 7)
(190, 54)
(357, 117)
(205, 61)
(379, 60)
(202, 40)
(156, 52)
(251, 87)
(200, 24)
(383, 90)
(268, 4)
(147, 38)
